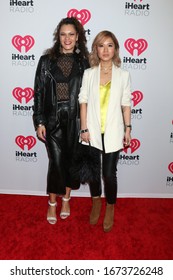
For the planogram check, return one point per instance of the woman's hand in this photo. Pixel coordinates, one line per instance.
(41, 133)
(85, 136)
(127, 138)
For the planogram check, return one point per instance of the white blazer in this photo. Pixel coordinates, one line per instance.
(120, 95)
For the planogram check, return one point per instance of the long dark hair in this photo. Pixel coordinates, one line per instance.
(54, 52)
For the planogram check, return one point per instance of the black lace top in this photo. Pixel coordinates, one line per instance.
(65, 65)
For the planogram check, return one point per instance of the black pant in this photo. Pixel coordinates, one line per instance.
(60, 143)
(109, 175)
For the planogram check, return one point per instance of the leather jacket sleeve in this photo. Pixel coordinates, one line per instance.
(39, 92)
(85, 65)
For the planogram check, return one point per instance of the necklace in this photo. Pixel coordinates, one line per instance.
(106, 70)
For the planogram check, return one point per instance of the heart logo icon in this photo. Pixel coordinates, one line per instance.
(137, 97)
(140, 45)
(170, 167)
(134, 145)
(26, 93)
(19, 42)
(29, 141)
(83, 15)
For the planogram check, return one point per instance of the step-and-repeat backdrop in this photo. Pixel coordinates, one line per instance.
(144, 30)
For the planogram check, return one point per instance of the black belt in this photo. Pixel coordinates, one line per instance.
(63, 103)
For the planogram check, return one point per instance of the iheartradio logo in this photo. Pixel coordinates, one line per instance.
(137, 97)
(28, 141)
(170, 167)
(83, 15)
(26, 93)
(140, 45)
(19, 42)
(134, 145)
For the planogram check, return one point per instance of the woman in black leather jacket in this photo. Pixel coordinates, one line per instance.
(56, 111)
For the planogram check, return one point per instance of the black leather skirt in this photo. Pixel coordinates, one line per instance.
(61, 143)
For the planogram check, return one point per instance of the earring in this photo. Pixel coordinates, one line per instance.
(77, 48)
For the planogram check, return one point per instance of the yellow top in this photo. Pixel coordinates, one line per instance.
(104, 101)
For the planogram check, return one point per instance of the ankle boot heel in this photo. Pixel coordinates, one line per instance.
(95, 211)
(109, 218)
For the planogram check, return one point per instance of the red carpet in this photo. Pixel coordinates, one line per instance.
(143, 230)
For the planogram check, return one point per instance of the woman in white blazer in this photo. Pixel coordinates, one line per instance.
(105, 113)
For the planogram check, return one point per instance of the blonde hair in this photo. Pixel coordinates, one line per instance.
(100, 38)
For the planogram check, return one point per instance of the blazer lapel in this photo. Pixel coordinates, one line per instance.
(96, 92)
(113, 93)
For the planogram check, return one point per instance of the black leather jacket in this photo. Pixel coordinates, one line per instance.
(45, 99)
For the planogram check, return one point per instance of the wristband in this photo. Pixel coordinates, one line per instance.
(84, 130)
(128, 125)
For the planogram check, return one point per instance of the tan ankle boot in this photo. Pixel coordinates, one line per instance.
(109, 218)
(95, 211)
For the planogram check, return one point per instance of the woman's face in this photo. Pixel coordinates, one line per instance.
(106, 49)
(68, 37)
